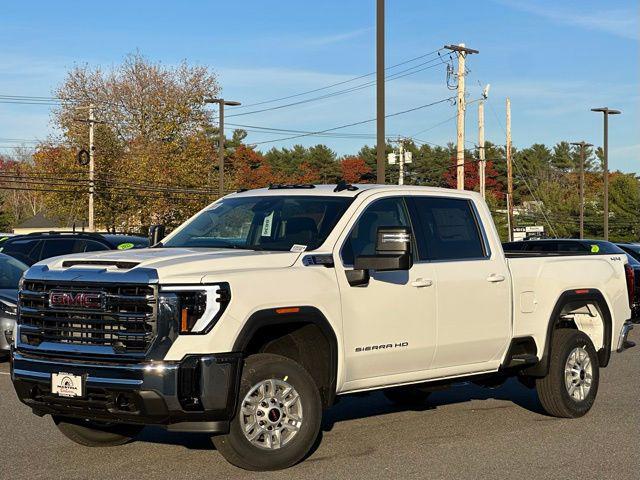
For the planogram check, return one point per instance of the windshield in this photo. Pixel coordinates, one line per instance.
(263, 223)
(11, 271)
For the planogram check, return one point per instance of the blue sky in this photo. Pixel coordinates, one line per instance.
(554, 59)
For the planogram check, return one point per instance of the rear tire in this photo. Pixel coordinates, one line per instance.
(407, 396)
(571, 385)
(278, 415)
(95, 434)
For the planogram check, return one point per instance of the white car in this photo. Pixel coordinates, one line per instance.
(247, 321)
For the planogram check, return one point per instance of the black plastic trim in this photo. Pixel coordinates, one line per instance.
(594, 296)
(306, 315)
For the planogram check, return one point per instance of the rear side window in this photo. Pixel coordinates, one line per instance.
(60, 246)
(450, 230)
(93, 246)
(27, 251)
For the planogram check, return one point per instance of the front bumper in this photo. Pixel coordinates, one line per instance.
(197, 394)
(623, 342)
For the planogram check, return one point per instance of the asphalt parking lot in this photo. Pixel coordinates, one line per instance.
(464, 432)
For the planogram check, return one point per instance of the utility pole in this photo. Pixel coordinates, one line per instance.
(481, 154)
(509, 172)
(221, 103)
(381, 144)
(462, 53)
(91, 168)
(403, 157)
(606, 111)
(582, 146)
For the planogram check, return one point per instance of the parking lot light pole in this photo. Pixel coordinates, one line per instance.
(606, 111)
(221, 103)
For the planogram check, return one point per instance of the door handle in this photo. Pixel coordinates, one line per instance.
(495, 278)
(421, 282)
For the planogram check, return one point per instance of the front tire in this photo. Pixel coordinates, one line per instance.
(571, 385)
(96, 434)
(278, 415)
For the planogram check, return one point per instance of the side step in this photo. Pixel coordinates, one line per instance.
(522, 360)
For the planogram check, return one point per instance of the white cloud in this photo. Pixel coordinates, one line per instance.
(333, 38)
(619, 22)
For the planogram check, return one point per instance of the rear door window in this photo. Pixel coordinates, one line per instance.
(450, 229)
(93, 246)
(25, 250)
(60, 246)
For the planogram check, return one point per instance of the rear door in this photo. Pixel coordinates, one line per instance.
(472, 282)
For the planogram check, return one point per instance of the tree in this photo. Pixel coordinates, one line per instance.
(353, 168)
(250, 169)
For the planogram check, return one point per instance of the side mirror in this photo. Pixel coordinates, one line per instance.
(156, 234)
(393, 252)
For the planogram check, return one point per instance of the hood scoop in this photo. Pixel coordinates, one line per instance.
(124, 265)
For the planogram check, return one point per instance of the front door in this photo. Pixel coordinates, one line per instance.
(390, 324)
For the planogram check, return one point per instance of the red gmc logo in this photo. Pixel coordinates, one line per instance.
(92, 300)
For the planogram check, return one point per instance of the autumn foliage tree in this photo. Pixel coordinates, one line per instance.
(353, 169)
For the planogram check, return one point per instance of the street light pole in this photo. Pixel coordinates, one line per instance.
(582, 146)
(606, 111)
(221, 103)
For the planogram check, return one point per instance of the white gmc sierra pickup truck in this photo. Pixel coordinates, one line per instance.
(252, 317)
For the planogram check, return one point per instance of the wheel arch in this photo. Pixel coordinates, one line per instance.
(286, 330)
(586, 295)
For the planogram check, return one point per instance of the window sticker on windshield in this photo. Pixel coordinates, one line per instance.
(125, 246)
(266, 225)
(298, 248)
(595, 248)
(2, 239)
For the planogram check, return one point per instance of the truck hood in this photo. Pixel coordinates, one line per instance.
(185, 265)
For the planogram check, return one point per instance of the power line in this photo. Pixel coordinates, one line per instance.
(394, 76)
(354, 123)
(343, 82)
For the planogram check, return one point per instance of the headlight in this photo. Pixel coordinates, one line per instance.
(8, 308)
(195, 308)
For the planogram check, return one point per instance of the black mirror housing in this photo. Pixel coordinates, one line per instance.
(393, 251)
(156, 234)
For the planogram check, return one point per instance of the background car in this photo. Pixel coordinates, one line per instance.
(34, 247)
(575, 246)
(632, 249)
(11, 271)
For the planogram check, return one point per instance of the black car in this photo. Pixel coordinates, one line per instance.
(11, 271)
(632, 249)
(574, 246)
(34, 247)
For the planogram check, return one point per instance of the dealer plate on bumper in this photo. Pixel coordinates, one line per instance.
(67, 385)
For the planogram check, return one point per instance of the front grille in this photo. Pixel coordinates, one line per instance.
(126, 321)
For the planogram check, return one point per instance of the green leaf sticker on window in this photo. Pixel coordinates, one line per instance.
(595, 248)
(125, 246)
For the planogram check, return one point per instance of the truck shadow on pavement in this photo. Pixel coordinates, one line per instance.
(364, 405)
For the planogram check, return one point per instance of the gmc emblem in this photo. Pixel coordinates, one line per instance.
(92, 300)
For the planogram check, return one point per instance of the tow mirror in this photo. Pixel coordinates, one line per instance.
(393, 252)
(156, 234)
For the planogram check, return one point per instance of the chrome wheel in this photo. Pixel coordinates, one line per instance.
(271, 414)
(578, 374)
